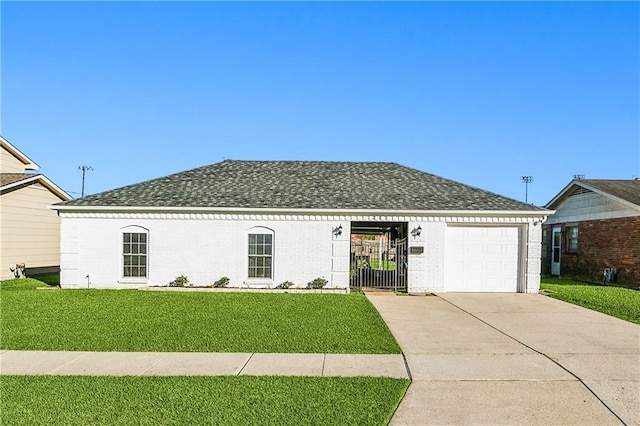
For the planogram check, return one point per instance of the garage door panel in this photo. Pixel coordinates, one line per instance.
(493, 250)
(494, 267)
(482, 259)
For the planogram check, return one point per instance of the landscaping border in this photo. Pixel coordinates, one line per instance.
(248, 290)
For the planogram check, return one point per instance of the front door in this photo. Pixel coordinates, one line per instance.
(555, 251)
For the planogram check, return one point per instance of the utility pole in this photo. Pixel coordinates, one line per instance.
(84, 171)
(526, 180)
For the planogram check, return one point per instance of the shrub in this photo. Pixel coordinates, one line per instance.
(180, 281)
(317, 283)
(285, 285)
(222, 282)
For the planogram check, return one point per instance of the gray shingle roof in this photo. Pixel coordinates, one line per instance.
(628, 190)
(303, 184)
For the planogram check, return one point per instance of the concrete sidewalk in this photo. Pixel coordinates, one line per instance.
(199, 364)
(513, 359)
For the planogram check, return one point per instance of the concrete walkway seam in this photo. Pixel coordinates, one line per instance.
(406, 365)
(60, 367)
(245, 364)
(151, 366)
(540, 353)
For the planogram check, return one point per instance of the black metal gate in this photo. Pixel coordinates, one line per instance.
(379, 262)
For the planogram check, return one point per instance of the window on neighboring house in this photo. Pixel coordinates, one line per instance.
(572, 239)
(134, 252)
(260, 255)
(545, 244)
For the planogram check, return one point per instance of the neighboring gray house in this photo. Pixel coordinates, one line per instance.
(264, 222)
(596, 226)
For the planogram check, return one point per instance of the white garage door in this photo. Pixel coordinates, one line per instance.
(481, 259)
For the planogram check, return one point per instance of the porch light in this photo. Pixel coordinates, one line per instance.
(416, 231)
(337, 231)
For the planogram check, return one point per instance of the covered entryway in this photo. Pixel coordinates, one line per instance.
(482, 259)
(378, 256)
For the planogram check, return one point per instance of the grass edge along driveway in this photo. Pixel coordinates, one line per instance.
(618, 302)
(142, 321)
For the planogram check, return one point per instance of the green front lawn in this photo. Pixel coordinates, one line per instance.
(226, 400)
(132, 320)
(50, 279)
(385, 265)
(619, 302)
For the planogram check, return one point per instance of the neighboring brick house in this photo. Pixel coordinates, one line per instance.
(29, 231)
(596, 226)
(261, 223)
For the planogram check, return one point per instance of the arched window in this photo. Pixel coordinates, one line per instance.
(135, 252)
(260, 253)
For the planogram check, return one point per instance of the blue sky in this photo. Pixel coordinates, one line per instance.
(481, 93)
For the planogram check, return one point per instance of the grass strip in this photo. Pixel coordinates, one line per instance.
(618, 302)
(226, 400)
(141, 321)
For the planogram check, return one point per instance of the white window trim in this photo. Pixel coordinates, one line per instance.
(569, 239)
(260, 280)
(132, 229)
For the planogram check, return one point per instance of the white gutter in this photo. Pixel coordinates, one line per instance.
(339, 212)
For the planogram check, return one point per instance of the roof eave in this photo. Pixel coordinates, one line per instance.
(564, 193)
(339, 212)
(28, 163)
(55, 189)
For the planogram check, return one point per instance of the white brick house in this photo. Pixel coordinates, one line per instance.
(264, 222)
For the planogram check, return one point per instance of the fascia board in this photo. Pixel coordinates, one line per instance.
(611, 197)
(336, 212)
(29, 179)
(562, 195)
(29, 164)
(44, 181)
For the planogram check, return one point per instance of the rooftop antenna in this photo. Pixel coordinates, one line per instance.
(84, 171)
(526, 180)
(578, 177)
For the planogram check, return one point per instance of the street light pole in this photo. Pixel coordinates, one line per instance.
(526, 180)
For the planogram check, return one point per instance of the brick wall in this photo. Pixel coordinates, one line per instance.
(203, 249)
(601, 243)
(206, 247)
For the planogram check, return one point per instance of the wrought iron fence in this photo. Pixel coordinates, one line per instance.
(379, 263)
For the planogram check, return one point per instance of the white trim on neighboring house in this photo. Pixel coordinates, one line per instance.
(28, 163)
(55, 189)
(569, 188)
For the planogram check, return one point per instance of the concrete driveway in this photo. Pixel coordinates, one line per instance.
(513, 359)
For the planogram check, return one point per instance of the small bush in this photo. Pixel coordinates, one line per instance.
(222, 282)
(285, 285)
(180, 281)
(317, 283)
